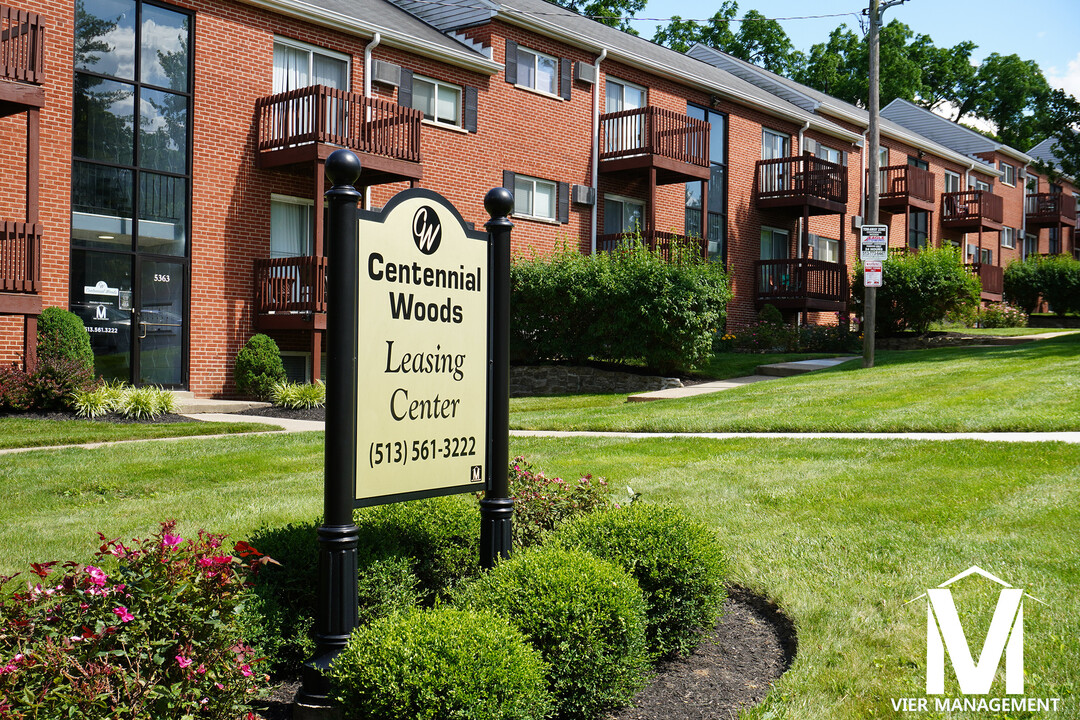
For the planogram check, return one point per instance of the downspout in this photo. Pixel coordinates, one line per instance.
(799, 249)
(367, 94)
(967, 186)
(596, 147)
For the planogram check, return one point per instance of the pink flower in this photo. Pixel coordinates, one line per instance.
(201, 669)
(122, 612)
(245, 670)
(170, 541)
(183, 661)
(97, 576)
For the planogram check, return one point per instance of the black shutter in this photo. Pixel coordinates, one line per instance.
(404, 91)
(470, 108)
(508, 180)
(511, 62)
(564, 202)
(567, 74)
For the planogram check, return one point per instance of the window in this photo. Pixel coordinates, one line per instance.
(918, 229)
(1032, 183)
(829, 154)
(537, 71)
(1055, 240)
(534, 198)
(439, 101)
(1008, 174)
(825, 249)
(975, 184)
(623, 215)
(291, 227)
(774, 244)
(1008, 237)
(986, 256)
(918, 163)
(952, 182)
(621, 95)
(774, 146)
(299, 65)
(716, 187)
(883, 157)
(1031, 245)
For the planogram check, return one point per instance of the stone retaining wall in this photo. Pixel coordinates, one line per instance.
(534, 380)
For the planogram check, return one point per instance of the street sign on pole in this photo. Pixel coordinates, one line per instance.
(874, 243)
(872, 274)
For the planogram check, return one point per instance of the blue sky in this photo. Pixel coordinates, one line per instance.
(1046, 31)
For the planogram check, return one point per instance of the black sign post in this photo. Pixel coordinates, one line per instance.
(337, 613)
(497, 507)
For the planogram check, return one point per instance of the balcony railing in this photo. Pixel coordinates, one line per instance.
(801, 283)
(971, 208)
(801, 178)
(654, 131)
(992, 278)
(290, 285)
(904, 183)
(22, 41)
(668, 244)
(319, 114)
(1050, 208)
(20, 257)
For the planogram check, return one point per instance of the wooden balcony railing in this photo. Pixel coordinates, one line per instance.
(290, 285)
(971, 208)
(801, 283)
(800, 177)
(992, 277)
(20, 257)
(22, 43)
(319, 114)
(654, 131)
(668, 244)
(1050, 208)
(904, 182)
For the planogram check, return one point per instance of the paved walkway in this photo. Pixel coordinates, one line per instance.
(764, 372)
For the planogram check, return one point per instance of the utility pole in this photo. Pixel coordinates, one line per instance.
(874, 105)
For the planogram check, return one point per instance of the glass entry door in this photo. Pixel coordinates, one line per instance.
(159, 340)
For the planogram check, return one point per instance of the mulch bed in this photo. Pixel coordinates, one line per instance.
(109, 417)
(752, 646)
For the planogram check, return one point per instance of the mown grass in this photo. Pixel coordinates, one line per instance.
(1030, 387)
(841, 533)
(16, 432)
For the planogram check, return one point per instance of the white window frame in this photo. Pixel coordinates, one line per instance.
(313, 50)
(530, 196)
(291, 200)
(817, 242)
(436, 85)
(609, 81)
(773, 232)
(975, 183)
(957, 181)
(553, 91)
(623, 200)
(1008, 174)
(883, 157)
(824, 152)
(1008, 238)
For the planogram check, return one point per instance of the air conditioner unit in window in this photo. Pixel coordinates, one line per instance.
(386, 73)
(584, 72)
(856, 223)
(583, 195)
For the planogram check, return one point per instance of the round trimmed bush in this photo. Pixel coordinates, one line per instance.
(61, 335)
(258, 367)
(585, 615)
(438, 664)
(677, 562)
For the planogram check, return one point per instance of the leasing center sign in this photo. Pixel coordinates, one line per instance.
(422, 360)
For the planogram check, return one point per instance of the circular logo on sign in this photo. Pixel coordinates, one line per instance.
(426, 230)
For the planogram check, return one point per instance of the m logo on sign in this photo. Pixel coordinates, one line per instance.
(100, 313)
(426, 230)
(1005, 636)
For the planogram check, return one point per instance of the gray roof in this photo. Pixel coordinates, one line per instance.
(397, 27)
(447, 15)
(1044, 151)
(551, 20)
(945, 131)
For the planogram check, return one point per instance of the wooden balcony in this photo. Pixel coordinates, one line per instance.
(1050, 210)
(992, 278)
(290, 293)
(674, 144)
(20, 268)
(804, 184)
(801, 284)
(22, 44)
(666, 243)
(903, 187)
(305, 125)
(972, 210)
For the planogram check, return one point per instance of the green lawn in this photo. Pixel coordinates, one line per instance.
(20, 432)
(841, 533)
(1030, 387)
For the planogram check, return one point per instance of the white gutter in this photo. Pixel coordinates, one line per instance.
(596, 146)
(372, 44)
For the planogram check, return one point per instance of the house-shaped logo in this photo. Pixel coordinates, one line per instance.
(1005, 636)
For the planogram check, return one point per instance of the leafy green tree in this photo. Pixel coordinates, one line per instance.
(946, 74)
(615, 13)
(1059, 118)
(759, 40)
(681, 35)
(1007, 92)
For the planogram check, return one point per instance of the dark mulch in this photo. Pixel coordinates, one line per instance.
(109, 417)
(753, 644)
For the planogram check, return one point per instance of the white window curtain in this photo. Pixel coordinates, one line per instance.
(291, 68)
(290, 229)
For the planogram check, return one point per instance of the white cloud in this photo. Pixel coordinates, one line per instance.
(948, 110)
(1069, 80)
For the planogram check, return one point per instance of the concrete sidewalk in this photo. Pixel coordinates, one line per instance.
(764, 372)
(1065, 436)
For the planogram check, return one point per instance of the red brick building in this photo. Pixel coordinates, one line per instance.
(165, 166)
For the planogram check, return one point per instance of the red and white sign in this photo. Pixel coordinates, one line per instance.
(872, 274)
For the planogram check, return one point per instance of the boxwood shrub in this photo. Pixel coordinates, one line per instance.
(585, 615)
(62, 335)
(439, 664)
(676, 560)
(258, 367)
